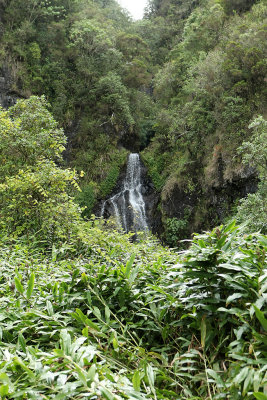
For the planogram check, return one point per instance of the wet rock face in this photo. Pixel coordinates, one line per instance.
(203, 208)
(178, 200)
(207, 207)
(7, 97)
(223, 198)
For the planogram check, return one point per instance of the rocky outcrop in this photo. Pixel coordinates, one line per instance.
(208, 206)
(201, 208)
(7, 96)
(222, 199)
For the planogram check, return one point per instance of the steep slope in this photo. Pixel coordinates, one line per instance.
(82, 57)
(209, 91)
(183, 86)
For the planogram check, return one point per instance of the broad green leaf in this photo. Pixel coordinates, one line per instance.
(257, 381)
(263, 240)
(136, 381)
(22, 342)
(261, 317)
(85, 331)
(248, 382)
(92, 325)
(133, 275)
(60, 396)
(30, 286)
(233, 297)
(97, 313)
(62, 379)
(80, 315)
(201, 243)
(58, 352)
(91, 373)
(4, 378)
(221, 242)
(4, 389)
(260, 396)
(150, 376)
(19, 362)
(49, 377)
(65, 341)
(107, 394)
(231, 227)
(115, 343)
(107, 314)
(18, 285)
(129, 266)
(81, 374)
(216, 377)
(241, 376)
(49, 307)
(259, 303)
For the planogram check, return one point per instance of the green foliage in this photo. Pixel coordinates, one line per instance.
(176, 229)
(37, 199)
(254, 152)
(105, 317)
(87, 199)
(28, 133)
(113, 100)
(68, 51)
(202, 29)
(136, 54)
(252, 209)
(185, 81)
(34, 191)
(155, 168)
(208, 91)
(109, 183)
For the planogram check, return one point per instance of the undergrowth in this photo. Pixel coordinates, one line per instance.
(104, 318)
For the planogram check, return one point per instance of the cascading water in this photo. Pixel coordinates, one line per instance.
(128, 205)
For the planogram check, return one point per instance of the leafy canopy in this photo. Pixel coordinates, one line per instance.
(34, 190)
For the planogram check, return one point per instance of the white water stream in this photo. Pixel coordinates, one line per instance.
(128, 205)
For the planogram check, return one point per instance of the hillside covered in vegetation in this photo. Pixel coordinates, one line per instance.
(90, 312)
(186, 86)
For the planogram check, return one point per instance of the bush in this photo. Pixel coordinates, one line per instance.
(175, 230)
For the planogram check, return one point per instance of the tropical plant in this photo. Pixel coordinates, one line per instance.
(103, 317)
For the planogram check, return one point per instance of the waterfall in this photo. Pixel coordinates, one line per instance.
(128, 206)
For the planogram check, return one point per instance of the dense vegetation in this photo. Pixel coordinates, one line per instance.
(102, 318)
(81, 55)
(85, 311)
(210, 90)
(184, 84)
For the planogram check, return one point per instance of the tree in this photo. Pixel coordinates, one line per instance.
(113, 100)
(28, 133)
(34, 191)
